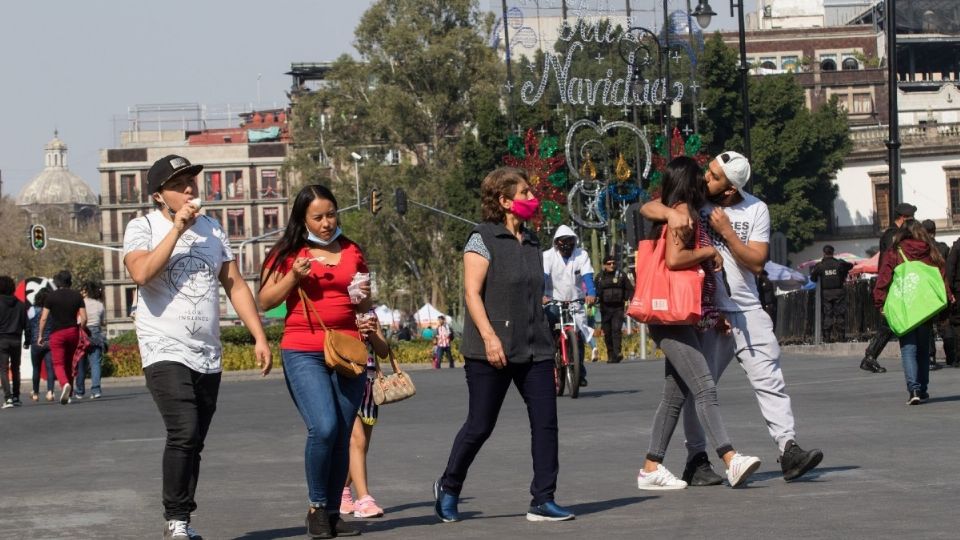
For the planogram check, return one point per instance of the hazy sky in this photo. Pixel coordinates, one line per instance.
(74, 65)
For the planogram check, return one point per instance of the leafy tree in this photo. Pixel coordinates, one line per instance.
(19, 260)
(796, 151)
(427, 87)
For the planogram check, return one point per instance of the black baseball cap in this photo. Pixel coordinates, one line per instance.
(905, 210)
(168, 168)
(609, 258)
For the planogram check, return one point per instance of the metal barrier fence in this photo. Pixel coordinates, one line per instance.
(796, 314)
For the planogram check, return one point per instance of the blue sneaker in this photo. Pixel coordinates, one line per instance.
(549, 511)
(445, 505)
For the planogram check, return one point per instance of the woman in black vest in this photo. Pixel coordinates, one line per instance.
(506, 339)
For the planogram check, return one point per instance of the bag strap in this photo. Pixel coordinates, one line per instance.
(902, 256)
(393, 362)
(307, 308)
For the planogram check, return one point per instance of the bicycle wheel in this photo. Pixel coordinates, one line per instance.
(559, 373)
(573, 362)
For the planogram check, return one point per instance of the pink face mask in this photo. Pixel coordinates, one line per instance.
(525, 208)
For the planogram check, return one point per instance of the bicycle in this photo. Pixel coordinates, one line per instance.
(566, 366)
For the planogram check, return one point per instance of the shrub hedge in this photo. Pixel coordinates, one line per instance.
(123, 356)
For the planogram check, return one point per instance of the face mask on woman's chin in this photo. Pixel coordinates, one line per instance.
(314, 239)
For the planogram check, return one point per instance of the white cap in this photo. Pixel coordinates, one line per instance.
(736, 167)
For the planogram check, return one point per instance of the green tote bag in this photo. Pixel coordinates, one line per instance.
(916, 294)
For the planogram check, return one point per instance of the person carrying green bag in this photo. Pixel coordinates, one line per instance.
(911, 289)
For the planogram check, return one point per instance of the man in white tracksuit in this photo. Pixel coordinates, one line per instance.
(739, 225)
(568, 275)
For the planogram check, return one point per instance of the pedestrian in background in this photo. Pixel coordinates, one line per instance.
(916, 245)
(311, 268)
(953, 310)
(831, 274)
(40, 356)
(506, 340)
(614, 290)
(62, 316)
(941, 325)
(904, 213)
(13, 323)
(96, 322)
(179, 259)
(442, 341)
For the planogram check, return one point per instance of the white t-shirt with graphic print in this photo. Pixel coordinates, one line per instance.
(750, 219)
(178, 311)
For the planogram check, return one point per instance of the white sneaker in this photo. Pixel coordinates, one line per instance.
(741, 467)
(176, 529)
(660, 479)
(595, 355)
(65, 394)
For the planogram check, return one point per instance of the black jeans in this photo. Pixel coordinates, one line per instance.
(487, 387)
(10, 357)
(611, 321)
(834, 314)
(187, 400)
(880, 339)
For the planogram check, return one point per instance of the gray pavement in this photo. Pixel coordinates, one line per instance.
(92, 469)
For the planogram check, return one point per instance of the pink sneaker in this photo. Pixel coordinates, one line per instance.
(366, 507)
(346, 502)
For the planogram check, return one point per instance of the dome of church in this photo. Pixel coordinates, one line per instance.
(56, 184)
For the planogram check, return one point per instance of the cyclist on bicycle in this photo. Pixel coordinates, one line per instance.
(568, 276)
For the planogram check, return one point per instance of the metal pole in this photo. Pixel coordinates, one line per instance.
(693, 72)
(665, 72)
(744, 69)
(356, 178)
(893, 144)
(506, 45)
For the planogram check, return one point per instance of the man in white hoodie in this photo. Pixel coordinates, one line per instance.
(567, 276)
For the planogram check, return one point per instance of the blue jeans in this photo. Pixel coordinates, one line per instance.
(328, 404)
(40, 355)
(915, 357)
(92, 358)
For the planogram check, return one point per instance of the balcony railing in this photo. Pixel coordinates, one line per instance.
(875, 137)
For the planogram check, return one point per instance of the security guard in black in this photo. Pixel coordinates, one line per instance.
(831, 273)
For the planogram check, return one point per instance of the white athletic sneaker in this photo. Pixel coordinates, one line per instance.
(176, 529)
(659, 480)
(741, 467)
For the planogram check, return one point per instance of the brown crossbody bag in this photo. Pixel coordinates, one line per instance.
(343, 353)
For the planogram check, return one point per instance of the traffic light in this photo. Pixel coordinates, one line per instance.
(376, 203)
(38, 237)
(400, 201)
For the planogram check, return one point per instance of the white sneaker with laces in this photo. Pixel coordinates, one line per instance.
(741, 467)
(661, 479)
(176, 529)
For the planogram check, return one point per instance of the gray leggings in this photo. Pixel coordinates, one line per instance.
(687, 374)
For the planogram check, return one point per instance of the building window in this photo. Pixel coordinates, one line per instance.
(130, 301)
(236, 222)
(881, 198)
(862, 104)
(850, 64)
(216, 215)
(768, 63)
(828, 62)
(128, 189)
(213, 185)
(789, 63)
(955, 199)
(235, 185)
(269, 188)
(126, 218)
(271, 219)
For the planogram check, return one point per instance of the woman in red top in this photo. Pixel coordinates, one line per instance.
(314, 257)
(917, 245)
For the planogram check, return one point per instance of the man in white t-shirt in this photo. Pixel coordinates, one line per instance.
(739, 226)
(568, 275)
(179, 259)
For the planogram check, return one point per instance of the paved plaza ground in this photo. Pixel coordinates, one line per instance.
(92, 469)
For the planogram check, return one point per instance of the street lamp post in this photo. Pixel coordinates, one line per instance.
(704, 13)
(893, 144)
(356, 174)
